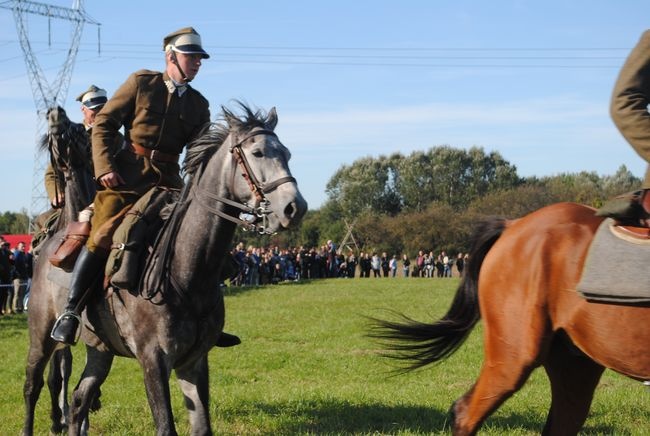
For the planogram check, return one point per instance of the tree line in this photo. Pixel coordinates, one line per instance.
(424, 200)
(433, 199)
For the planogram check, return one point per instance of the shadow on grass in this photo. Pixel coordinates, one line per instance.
(341, 417)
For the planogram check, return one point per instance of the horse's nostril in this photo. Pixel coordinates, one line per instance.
(290, 210)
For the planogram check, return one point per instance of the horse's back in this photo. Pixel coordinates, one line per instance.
(531, 274)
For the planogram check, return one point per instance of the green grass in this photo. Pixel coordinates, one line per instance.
(306, 367)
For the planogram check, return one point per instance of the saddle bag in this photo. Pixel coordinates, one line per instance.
(76, 235)
(130, 240)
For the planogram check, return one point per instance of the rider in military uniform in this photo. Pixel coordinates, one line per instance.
(629, 107)
(92, 101)
(161, 113)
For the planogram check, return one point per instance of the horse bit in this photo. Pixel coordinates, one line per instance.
(258, 188)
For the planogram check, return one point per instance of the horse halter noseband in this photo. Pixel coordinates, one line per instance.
(258, 188)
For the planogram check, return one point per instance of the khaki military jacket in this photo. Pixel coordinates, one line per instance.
(53, 185)
(152, 117)
(629, 105)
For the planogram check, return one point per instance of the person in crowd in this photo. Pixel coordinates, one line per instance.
(460, 264)
(159, 111)
(20, 277)
(440, 266)
(30, 273)
(332, 267)
(375, 264)
(5, 275)
(366, 265)
(428, 264)
(418, 269)
(446, 263)
(385, 264)
(393, 266)
(406, 264)
(351, 262)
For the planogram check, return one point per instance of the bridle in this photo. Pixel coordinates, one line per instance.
(259, 189)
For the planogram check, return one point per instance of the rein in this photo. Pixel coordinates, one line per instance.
(258, 188)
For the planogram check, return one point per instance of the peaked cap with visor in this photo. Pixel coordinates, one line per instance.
(93, 98)
(186, 41)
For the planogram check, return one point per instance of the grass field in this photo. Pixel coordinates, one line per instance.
(306, 367)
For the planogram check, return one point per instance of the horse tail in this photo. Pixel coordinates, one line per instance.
(419, 343)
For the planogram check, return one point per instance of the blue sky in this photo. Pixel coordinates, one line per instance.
(531, 80)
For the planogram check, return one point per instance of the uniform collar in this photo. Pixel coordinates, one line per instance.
(173, 86)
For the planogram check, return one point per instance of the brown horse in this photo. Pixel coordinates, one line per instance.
(521, 279)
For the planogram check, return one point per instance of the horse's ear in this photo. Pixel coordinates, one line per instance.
(233, 122)
(272, 119)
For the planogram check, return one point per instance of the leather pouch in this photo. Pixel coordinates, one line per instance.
(76, 235)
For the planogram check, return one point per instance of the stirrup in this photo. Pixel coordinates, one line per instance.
(66, 316)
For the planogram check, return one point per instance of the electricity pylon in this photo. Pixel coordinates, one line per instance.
(47, 94)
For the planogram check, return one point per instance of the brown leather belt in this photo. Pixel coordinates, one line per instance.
(154, 155)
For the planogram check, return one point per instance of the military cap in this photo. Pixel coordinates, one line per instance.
(93, 98)
(185, 40)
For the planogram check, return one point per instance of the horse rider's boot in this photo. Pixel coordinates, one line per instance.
(88, 266)
(227, 340)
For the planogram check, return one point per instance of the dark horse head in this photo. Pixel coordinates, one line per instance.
(68, 145)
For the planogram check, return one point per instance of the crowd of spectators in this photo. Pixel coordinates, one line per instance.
(258, 266)
(270, 265)
(15, 277)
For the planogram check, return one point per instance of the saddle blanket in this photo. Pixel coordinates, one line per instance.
(617, 268)
(60, 277)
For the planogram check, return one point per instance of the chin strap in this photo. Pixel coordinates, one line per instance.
(180, 70)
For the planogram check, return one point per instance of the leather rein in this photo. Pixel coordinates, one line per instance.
(261, 210)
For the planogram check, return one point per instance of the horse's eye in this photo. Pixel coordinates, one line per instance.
(258, 153)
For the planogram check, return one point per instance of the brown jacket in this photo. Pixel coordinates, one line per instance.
(629, 106)
(153, 118)
(53, 185)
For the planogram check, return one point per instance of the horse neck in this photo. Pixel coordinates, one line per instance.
(79, 192)
(204, 238)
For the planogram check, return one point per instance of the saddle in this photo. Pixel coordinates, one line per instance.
(616, 268)
(133, 239)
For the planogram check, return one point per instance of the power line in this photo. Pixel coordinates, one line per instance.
(342, 48)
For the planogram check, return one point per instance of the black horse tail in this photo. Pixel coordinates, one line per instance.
(419, 343)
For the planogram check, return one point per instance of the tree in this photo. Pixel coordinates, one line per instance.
(364, 186)
(389, 185)
(14, 222)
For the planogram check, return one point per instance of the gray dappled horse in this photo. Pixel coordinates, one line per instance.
(177, 315)
(69, 149)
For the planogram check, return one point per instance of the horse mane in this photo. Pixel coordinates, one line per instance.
(214, 134)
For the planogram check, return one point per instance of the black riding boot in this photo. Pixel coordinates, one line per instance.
(85, 272)
(227, 340)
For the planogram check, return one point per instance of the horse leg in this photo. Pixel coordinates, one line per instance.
(37, 358)
(574, 378)
(511, 352)
(193, 381)
(57, 382)
(156, 381)
(98, 365)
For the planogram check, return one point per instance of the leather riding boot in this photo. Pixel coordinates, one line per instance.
(227, 340)
(86, 269)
